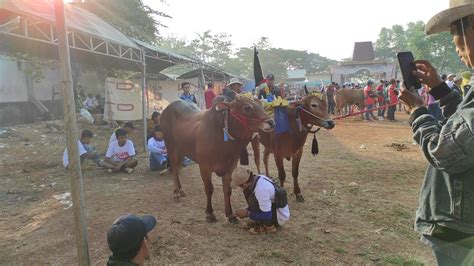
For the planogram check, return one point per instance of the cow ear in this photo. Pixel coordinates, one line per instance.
(222, 106)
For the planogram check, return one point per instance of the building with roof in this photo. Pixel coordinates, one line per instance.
(28, 27)
(363, 66)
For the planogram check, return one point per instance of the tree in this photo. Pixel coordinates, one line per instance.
(217, 49)
(131, 17)
(437, 48)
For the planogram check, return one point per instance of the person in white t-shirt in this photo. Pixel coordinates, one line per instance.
(85, 150)
(129, 127)
(259, 192)
(120, 156)
(89, 103)
(157, 148)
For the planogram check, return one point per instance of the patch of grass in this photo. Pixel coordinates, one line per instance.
(398, 260)
(401, 212)
(277, 255)
(340, 250)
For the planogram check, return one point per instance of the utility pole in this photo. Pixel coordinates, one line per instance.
(70, 126)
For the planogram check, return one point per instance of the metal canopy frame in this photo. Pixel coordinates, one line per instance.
(35, 29)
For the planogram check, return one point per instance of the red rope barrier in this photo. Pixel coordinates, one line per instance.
(365, 111)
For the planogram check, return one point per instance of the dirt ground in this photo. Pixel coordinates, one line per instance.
(361, 193)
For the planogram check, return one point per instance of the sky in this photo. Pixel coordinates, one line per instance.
(327, 27)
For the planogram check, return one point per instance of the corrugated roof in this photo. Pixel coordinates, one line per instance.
(77, 19)
(166, 52)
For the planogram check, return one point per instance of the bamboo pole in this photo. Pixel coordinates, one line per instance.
(144, 102)
(70, 126)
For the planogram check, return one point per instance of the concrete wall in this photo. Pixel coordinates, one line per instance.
(25, 112)
(15, 84)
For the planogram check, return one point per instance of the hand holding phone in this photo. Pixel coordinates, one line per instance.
(407, 66)
(428, 74)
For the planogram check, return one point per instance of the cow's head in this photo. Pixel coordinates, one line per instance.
(248, 113)
(315, 110)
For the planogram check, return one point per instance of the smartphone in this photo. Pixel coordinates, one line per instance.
(407, 65)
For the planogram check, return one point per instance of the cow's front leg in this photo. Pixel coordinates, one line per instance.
(281, 168)
(227, 193)
(206, 176)
(295, 164)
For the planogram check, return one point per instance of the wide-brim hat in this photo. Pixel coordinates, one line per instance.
(235, 81)
(240, 176)
(442, 21)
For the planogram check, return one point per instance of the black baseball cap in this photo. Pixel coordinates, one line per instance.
(126, 234)
(270, 77)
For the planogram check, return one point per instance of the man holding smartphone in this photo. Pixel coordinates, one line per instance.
(445, 216)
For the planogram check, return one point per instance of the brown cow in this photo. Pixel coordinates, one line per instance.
(188, 131)
(312, 110)
(349, 97)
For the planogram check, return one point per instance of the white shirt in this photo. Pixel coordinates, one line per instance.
(89, 102)
(120, 154)
(265, 194)
(157, 146)
(81, 152)
(450, 83)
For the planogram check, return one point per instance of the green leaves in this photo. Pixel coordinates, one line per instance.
(438, 49)
(131, 17)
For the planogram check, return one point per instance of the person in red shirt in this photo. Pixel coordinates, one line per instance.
(369, 100)
(381, 100)
(209, 95)
(393, 98)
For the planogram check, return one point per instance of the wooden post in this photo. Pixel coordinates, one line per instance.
(144, 103)
(70, 126)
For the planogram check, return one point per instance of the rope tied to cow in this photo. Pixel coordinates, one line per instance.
(242, 119)
(365, 111)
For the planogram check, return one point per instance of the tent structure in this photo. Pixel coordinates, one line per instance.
(30, 27)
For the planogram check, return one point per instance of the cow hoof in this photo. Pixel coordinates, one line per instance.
(181, 193)
(176, 195)
(211, 218)
(233, 220)
(176, 199)
(299, 198)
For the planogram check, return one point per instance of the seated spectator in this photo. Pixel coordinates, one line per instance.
(152, 123)
(128, 127)
(120, 156)
(90, 102)
(157, 149)
(85, 150)
(260, 194)
(129, 240)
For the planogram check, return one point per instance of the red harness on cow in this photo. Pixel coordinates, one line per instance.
(244, 120)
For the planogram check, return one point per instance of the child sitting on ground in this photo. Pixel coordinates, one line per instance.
(157, 149)
(85, 150)
(120, 156)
